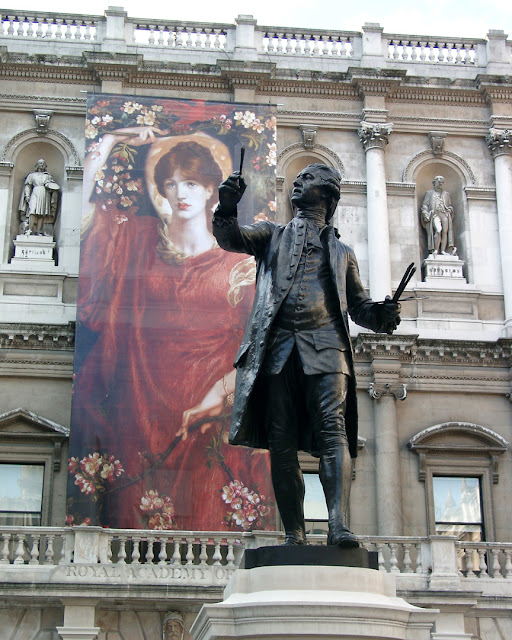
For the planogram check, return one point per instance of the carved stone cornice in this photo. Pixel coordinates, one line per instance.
(370, 83)
(413, 350)
(499, 142)
(374, 135)
(376, 390)
(36, 336)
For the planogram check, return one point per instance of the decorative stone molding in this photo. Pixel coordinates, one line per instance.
(436, 139)
(35, 336)
(423, 156)
(75, 173)
(43, 117)
(25, 136)
(22, 427)
(324, 154)
(374, 135)
(280, 183)
(499, 142)
(172, 628)
(6, 168)
(376, 391)
(458, 439)
(308, 132)
(411, 349)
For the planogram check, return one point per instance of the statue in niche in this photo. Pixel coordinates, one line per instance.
(437, 220)
(39, 202)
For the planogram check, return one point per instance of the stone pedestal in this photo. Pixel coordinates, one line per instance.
(444, 271)
(312, 602)
(33, 252)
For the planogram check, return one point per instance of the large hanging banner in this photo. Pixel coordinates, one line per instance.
(161, 313)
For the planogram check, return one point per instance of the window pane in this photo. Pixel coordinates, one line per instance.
(457, 500)
(21, 487)
(314, 501)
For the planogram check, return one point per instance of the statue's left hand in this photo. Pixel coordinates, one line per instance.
(389, 315)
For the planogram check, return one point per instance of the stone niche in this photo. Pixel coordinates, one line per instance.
(443, 271)
(24, 162)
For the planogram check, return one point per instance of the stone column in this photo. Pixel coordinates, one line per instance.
(500, 145)
(387, 457)
(374, 137)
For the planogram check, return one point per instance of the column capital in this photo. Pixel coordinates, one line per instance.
(376, 391)
(499, 142)
(374, 134)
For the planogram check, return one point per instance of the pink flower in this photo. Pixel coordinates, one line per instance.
(271, 204)
(69, 519)
(151, 501)
(91, 463)
(73, 465)
(85, 485)
(86, 521)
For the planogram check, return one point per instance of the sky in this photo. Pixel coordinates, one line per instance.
(454, 18)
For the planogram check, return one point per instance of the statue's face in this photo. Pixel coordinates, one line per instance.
(308, 188)
(40, 165)
(438, 184)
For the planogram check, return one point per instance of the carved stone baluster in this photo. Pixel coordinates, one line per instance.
(230, 557)
(58, 34)
(458, 57)
(508, 564)
(68, 33)
(280, 47)
(121, 556)
(217, 555)
(216, 42)
(407, 558)
(393, 558)
(34, 552)
(289, 41)
(150, 555)
(208, 38)
(469, 563)
(49, 548)
(475, 56)
(432, 49)
(10, 28)
(307, 45)
(30, 27)
(176, 556)
(39, 30)
(5, 548)
(316, 49)
(151, 37)
(161, 39)
(398, 53)
(162, 556)
(109, 549)
(87, 31)
(496, 567)
(203, 555)
(136, 551)
(20, 550)
(419, 559)
(381, 559)
(483, 564)
(189, 557)
(78, 30)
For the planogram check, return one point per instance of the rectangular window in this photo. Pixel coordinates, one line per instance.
(21, 494)
(315, 509)
(458, 507)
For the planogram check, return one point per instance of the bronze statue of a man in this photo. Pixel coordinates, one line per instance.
(295, 384)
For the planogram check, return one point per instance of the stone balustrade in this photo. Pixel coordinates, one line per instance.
(92, 554)
(251, 40)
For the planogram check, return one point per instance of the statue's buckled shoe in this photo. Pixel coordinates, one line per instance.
(342, 537)
(293, 539)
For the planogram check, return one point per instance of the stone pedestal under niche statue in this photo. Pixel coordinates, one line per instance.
(312, 602)
(33, 252)
(442, 270)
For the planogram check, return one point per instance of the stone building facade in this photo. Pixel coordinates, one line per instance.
(390, 112)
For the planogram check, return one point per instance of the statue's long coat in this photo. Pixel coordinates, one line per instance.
(274, 246)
